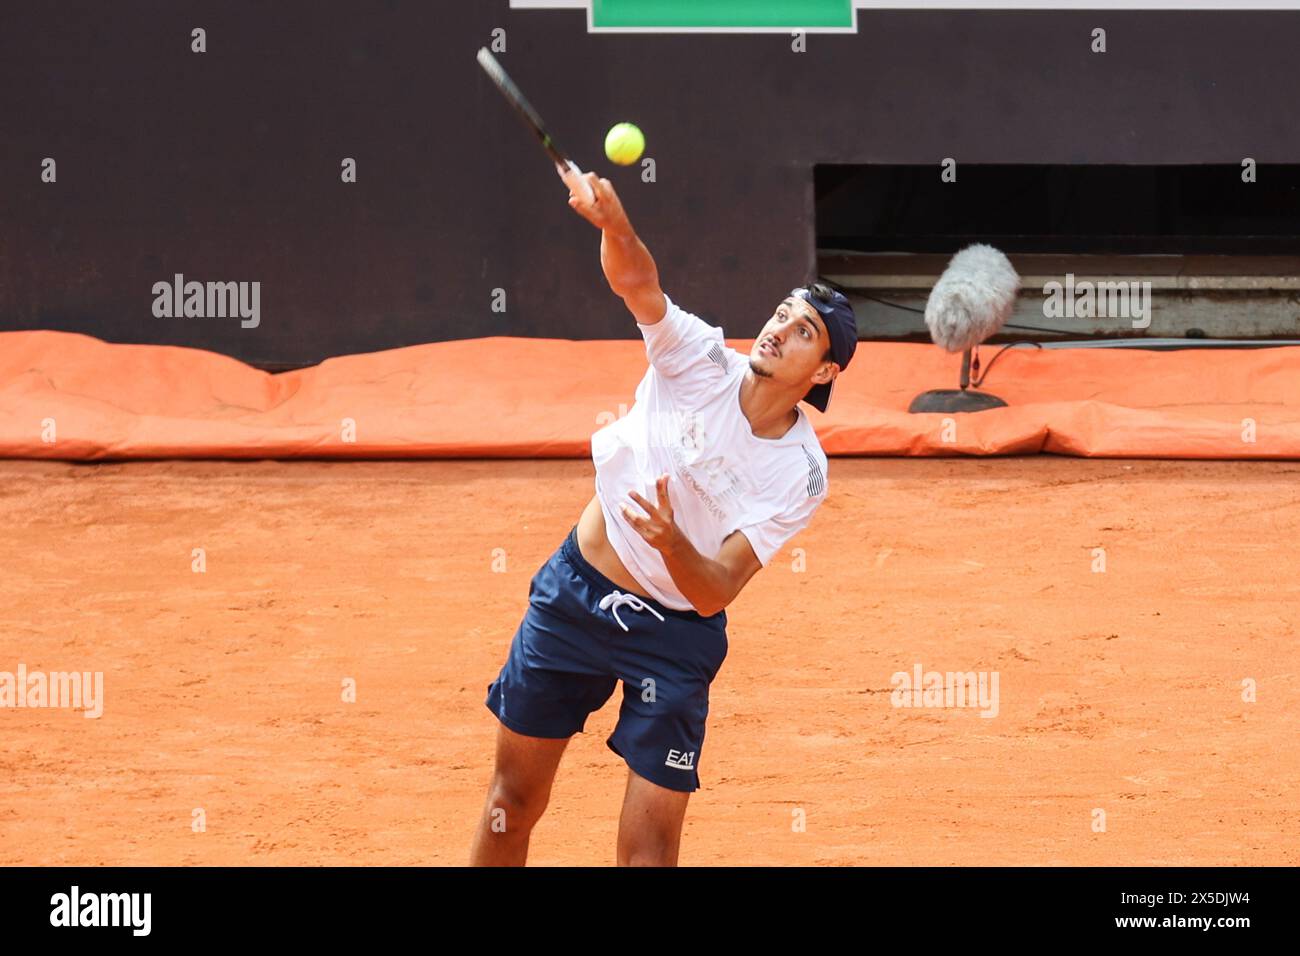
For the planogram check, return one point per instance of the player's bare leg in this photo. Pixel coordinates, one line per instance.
(520, 788)
(650, 828)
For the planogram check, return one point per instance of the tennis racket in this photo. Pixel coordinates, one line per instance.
(567, 168)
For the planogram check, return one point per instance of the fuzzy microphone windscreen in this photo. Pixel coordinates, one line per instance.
(972, 299)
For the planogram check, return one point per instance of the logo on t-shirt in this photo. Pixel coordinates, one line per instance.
(717, 484)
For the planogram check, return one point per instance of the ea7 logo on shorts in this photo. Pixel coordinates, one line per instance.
(681, 759)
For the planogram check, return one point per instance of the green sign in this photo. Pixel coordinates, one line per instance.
(721, 14)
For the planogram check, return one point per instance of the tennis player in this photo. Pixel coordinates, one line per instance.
(710, 473)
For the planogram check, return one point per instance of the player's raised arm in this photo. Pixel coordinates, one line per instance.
(627, 262)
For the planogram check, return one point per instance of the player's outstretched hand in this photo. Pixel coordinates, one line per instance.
(658, 529)
(605, 211)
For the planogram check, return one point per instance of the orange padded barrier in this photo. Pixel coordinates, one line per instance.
(73, 397)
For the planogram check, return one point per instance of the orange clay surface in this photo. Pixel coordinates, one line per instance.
(1119, 691)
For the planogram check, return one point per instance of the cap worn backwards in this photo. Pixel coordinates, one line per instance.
(841, 327)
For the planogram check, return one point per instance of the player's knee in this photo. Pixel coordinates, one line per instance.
(515, 807)
(651, 842)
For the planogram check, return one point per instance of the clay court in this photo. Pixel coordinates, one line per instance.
(1119, 691)
(317, 320)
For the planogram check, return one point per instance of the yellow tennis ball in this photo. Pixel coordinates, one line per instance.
(624, 144)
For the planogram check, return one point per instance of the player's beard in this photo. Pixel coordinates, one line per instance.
(757, 370)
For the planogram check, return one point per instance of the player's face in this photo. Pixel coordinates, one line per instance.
(791, 344)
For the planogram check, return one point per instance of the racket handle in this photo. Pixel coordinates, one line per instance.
(572, 176)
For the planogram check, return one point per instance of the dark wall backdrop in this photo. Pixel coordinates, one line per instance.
(224, 166)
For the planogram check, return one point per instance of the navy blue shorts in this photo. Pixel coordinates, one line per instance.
(569, 652)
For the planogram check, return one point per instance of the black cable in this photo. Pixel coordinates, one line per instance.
(894, 305)
(1034, 328)
(988, 368)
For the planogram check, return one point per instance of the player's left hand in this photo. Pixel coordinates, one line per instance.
(658, 529)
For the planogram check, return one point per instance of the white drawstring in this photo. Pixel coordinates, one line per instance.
(616, 599)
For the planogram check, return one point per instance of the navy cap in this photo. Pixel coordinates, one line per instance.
(842, 327)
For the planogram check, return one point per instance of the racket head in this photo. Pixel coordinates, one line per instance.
(515, 97)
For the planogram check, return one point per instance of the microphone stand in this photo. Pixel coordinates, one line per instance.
(957, 399)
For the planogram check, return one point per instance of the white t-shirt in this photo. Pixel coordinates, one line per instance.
(687, 422)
